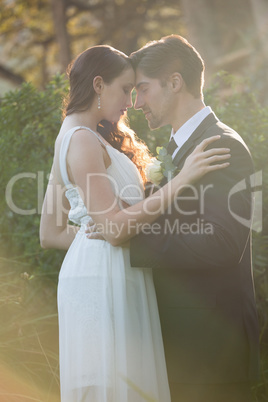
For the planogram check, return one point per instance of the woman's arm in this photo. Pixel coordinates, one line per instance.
(89, 173)
(54, 230)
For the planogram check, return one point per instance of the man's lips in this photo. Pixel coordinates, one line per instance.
(146, 113)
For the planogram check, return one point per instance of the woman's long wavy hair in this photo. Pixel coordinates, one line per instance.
(121, 137)
(108, 63)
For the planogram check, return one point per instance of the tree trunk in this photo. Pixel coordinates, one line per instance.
(59, 17)
(44, 70)
(260, 13)
(217, 29)
(260, 61)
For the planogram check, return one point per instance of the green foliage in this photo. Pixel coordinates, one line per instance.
(168, 168)
(29, 122)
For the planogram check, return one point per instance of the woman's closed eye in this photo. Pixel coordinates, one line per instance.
(127, 90)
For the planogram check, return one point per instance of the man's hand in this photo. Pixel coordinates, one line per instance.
(92, 231)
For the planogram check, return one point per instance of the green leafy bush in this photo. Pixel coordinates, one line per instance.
(29, 122)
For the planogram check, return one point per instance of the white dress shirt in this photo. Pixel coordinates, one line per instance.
(187, 129)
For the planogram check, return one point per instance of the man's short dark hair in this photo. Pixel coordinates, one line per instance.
(173, 53)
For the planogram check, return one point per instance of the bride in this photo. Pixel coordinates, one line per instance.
(109, 332)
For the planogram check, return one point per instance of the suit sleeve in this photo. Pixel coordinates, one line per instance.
(216, 234)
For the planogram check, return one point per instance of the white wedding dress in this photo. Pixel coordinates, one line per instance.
(109, 331)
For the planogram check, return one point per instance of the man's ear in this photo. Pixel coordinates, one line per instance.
(98, 84)
(176, 82)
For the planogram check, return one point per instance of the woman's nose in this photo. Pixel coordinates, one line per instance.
(129, 101)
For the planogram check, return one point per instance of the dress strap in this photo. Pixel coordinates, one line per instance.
(96, 134)
(64, 149)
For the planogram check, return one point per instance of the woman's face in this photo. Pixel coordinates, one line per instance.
(115, 97)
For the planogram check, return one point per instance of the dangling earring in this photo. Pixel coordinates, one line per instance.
(99, 104)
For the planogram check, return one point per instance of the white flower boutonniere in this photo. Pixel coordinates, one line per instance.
(154, 172)
(160, 167)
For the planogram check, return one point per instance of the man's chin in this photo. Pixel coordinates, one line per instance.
(153, 125)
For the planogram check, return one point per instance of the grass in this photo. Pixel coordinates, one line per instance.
(29, 338)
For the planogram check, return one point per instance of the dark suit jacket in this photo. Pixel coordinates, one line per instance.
(202, 269)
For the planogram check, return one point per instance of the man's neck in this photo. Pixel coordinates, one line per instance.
(185, 112)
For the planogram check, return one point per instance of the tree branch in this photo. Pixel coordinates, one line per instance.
(7, 74)
(85, 7)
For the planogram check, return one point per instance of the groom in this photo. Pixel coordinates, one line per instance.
(201, 258)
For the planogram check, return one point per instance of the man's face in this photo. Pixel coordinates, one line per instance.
(154, 100)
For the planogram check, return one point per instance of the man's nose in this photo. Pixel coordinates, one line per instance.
(138, 102)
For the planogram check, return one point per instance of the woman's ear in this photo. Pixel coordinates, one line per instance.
(98, 84)
(176, 82)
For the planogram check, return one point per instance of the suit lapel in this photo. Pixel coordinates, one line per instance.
(191, 143)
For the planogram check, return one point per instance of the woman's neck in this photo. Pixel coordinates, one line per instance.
(86, 119)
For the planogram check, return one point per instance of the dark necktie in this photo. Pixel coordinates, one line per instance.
(171, 146)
